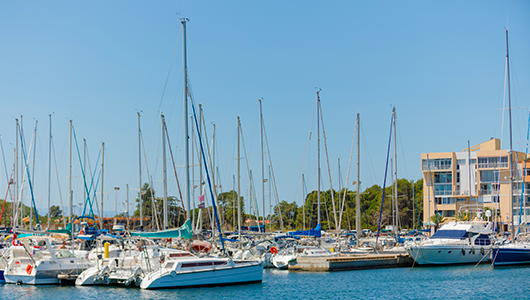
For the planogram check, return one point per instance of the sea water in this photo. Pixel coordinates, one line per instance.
(456, 282)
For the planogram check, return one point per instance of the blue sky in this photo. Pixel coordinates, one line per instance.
(441, 64)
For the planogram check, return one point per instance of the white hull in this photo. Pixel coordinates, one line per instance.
(282, 261)
(449, 254)
(239, 273)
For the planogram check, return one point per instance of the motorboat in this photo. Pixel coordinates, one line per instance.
(457, 242)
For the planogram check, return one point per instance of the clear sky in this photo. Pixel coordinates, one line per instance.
(440, 63)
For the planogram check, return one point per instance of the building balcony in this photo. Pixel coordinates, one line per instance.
(491, 165)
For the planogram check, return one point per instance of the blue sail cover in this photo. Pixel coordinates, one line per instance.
(183, 231)
(450, 234)
(311, 232)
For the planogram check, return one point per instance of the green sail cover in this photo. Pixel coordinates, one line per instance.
(183, 231)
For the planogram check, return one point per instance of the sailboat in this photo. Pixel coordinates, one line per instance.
(518, 252)
(192, 271)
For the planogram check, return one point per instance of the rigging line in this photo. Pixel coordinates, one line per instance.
(5, 199)
(403, 157)
(164, 89)
(27, 170)
(153, 204)
(305, 148)
(81, 164)
(209, 183)
(87, 200)
(348, 176)
(524, 174)
(4, 158)
(252, 193)
(329, 170)
(175, 170)
(384, 181)
(273, 177)
(57, 175)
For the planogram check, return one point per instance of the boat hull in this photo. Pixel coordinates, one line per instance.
(505, 256)
(449, 254)
(231, 275)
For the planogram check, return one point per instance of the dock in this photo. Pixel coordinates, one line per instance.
(351, 262)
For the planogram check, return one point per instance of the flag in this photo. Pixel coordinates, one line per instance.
(201, 201)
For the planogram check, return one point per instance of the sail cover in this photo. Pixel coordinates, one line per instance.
(183, 231)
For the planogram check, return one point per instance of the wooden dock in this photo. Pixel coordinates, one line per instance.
(351, 262)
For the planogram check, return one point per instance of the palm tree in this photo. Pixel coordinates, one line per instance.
(437, 219)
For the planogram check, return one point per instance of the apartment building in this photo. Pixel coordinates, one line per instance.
(473, 179)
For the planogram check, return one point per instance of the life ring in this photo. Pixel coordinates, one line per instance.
(274, 250)
(29, 268)
(169, 240)
(82, 232)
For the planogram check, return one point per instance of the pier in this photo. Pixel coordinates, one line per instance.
(351, 262)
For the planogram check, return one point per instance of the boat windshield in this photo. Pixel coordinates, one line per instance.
(450, 234)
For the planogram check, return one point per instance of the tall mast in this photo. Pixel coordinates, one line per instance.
(186, 136)
(395, 176)
(102, 169)
(17, 199)
(262, 166)
(358, 196)
(318, 155)
(201, 179)
(510, 118)
(303, 200)
(127, 186)
(70, 187)
(84, 166)
(139, 173)
(238, 182)
(163, 121)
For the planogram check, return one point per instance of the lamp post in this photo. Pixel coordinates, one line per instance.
(116, 209)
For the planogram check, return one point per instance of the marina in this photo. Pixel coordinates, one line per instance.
(240, 150)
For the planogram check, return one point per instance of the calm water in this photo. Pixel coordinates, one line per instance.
(462, 282)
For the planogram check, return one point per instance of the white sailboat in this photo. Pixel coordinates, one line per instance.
(191, 271)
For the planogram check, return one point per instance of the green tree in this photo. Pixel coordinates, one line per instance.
(55, 211)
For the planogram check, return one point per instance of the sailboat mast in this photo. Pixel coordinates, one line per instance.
(102, 173)
(139, 173)
(303, 201)
(395, 176)
(318, 156)
(70, 187)
(511, 146)
(49, 171)
(16, 176)
(358, 196)
(186, 136)
(262, 166)
(164, 170)
(238, 181)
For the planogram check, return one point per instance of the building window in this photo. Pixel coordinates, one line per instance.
(436, 164)
(443, 177)
(461, 199)
(445, 200)
(493, 162)
(443, 190)
(489, 176)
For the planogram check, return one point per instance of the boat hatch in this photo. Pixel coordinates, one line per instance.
(180, 255)
(203, 264)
